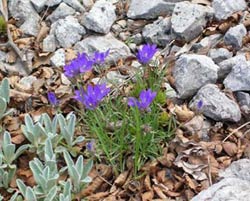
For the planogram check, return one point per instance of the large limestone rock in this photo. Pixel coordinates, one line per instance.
(191, 72)
(216, 105)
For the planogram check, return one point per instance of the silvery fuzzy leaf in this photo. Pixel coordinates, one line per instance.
(48, 151)
(87, 180)
(21, 149)
(21, 186)
(5, 90)
(79, 139)
(71, 123)
(87, 167)
(9, 153)
(67, 188)
(79, 164)
(30, 195)
(3, 107)
(52, 194)
(14, 197)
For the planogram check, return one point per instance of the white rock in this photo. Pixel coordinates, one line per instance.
(188, 19)
(216, 105)
(51, 3)
(219, 55)
(60, 12)
(225, 8)
(101, 17)
(75, 4)
(235, 35)
(226, 66)
(234, 185)
(28, 81)
(39, 5)
(68, 31)
(118, 50)
(58, 59)
(50, 43)
(159, 32)
(26, 15)
(150, 9)
(238, 78)
(191, 72)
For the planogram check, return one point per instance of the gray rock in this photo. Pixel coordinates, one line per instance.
(219, 55)
(209, 41)
(153, 9)
(188, 19)
(101, 17)
(238, 169)
(31, 26)
(225, 8)
(233, 186)
(50, 43)
(62, 11)
(216, 105)
(28, 81)
(58, 59)
(118, 50)
(115, 78)
(159, 32)
(51, 3)
(238, 78)
(230, 189)
(75, 4)
(137, 39)
(235, 35)
(226, 66)
(68, 31)
(39, 5)
(187, 83)
(244, 102)
(27, 17)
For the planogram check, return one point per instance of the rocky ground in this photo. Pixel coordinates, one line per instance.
(206, 46)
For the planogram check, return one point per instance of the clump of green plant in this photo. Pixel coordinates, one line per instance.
(4, 99)
(60, 130)
(8, 154)
(128, 127)
(46, 175)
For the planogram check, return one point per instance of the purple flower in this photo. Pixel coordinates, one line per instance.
(199, 104)
(52, 98)
(145, 99)
(92, 96)
(146, 53)
(90, 146)
(81, 64)
(99, 57)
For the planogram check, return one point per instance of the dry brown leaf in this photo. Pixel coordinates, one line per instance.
(147, 183)
(147, 196)
(194, 170)
(230, 148)
(44, 30)
(159, 192)
(18, 139)
(41, 60)
(11, 57)
(183, 113)
(121, 179)
(167, 160)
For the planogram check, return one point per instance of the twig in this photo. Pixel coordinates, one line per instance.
(236, 130)
(209, 171)
(4, 11)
